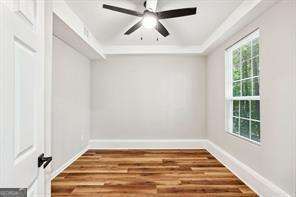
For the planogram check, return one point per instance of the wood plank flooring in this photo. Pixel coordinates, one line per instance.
(148, 173)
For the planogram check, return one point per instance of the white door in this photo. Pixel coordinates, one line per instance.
(22, 94)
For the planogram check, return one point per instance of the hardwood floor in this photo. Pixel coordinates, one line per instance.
(148, 173)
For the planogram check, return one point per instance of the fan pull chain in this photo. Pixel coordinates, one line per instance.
(141, 34)
(156, 33)
(141, 31)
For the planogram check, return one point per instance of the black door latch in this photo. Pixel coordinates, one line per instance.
(42, 159)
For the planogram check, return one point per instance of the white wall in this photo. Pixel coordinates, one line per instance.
(273, 159)
(148, 97)
(71, 103)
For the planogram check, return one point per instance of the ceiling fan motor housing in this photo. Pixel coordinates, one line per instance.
(148, 12)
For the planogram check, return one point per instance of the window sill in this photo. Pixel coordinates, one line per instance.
(244, 138)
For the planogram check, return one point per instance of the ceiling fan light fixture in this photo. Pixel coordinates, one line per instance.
(149, 21)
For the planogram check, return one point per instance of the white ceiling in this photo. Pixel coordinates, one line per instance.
(109, 27)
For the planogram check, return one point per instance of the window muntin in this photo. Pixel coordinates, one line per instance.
(243, 88)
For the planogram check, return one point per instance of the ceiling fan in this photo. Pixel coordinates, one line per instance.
(150, 18)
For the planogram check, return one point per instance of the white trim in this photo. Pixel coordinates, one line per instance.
(245, 40)
(48, 31)
(148, 144)
(245, 13)
(254, 180)
(293, 111)
(68, 163)
(152, 49)
(244, 138)
(70, 28)
(237, 98)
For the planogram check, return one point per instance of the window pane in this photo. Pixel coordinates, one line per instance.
(247, 87)
(235, 125)
(255, 63)
(246, 69)
(255, 110)
(245, 128)
(256, 86)
(245, 74)
(236, 57)
(246, 51)
(255, 45)
(236, 72)
(255, 133)
(245, 109)
(236, 89)
(235, 108)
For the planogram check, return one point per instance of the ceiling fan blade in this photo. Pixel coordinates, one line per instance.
(122, 10)
(134, 28)
(176, 13)
(161, 29)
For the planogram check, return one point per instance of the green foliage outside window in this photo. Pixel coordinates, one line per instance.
(247, 87)
(246, 51)
(255, 131)
(255, 47)
(256, 86)
(255, 110)
(236, 125)
(236, 72)
(246, 83)
(245, 109)
(247, 69)
(236, 57)
(236, 89)
(255, 65)
(236, 108)
(245, 128)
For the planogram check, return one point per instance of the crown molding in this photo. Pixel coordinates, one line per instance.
(245, 13)
(68, 27)
(151, 49)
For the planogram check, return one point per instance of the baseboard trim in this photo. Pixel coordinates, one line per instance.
(255, 181)
(147, 144)
(68, 163)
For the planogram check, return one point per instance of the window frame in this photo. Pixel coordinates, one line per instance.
(229, 98)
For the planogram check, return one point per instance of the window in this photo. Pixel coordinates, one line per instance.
(242, 88)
